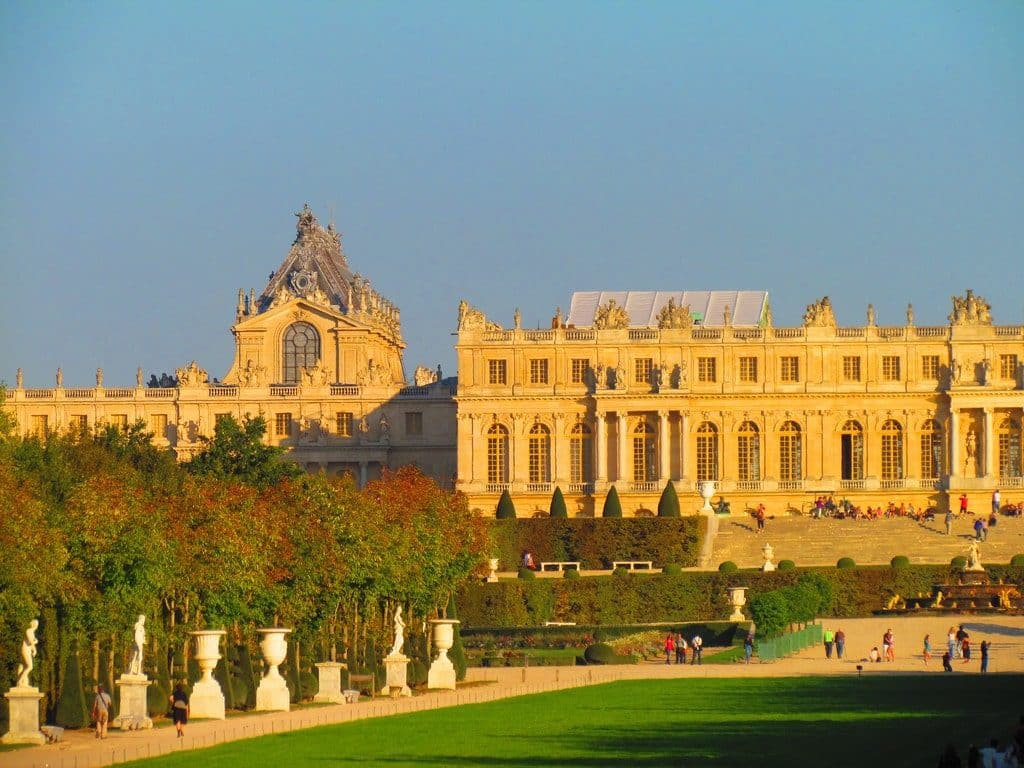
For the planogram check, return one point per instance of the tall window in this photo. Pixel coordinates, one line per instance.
(414, 423)
(540, 454)
(1008, 366)
(932, 450)
(852, 448)
(118, 420)
(40, 426)
(890, 368)
(930, 367)
(282, 424)
(539, 370)
(789, 369)
(643, 453)
(581, 455)
(578, 372)
(851, 368)
(79, 422)
(301, 350)
(1008, 437)
(158, 424)
(707, 451)
(790, 452)
(497, 372)
(748, 370)
(642, 370)
(892, 450)
(706, 369)
(343, 420)
(497, 454)
(748, 450)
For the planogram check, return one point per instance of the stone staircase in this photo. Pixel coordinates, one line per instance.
(807, 541)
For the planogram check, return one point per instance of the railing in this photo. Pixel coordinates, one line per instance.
(278, 390)
(748, 485)
(344, 389)
(932, 331)
(774, 648)
(890, 485)
(80, 393)
(849, 333)
(223, 391)
(930, 483)
(644, 486)
(642, 334)
(891, 332)
(539, 335)
(497, 335)
(851, 485)
(118, 393)
(581, 488)
(160, 392)
(791, 485)
(707, 333)
(497, 487)
(1009, 330)
(538, 487)
(790, 333)
(412, 392)
(747, 334)
(575, 334)
(1011, 482)
(38, 394)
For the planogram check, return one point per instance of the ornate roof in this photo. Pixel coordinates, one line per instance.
(745, 308)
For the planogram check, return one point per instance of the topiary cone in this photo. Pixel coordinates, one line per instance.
(612, 505)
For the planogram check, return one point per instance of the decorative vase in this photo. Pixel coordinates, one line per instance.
(493, 563)
(442, 671)
(707, 490)
(738, 596)
(207, 699)
(272, 694)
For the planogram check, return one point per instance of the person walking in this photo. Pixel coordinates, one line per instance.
(888, 645)
(840, 643)
(101, 704)
(965, 649)
(697, 644)
(984, 655)
(949, 522)
(179, 709)
(748, 647)
(963, 503)
(680, 649)
(995, 502)
(759, 516)
(947, 662)
(961, 635)
(927, 649)
(830, 640)
(670, 647)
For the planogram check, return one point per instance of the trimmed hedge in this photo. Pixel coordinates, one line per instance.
(597, 542)
(668, 504)
(846, 562)
(612, 505)
(715, 633)
(1017, 561)
(900, 561)
(728, 567)
(786, 565)
(691, 596)
(506, 509)
(558, 508)
(602, 653)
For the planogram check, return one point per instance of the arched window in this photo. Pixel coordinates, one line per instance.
(497, 454)
(707, 452)
(1008, 438)
(643, 453)
(301, 350)
(748, 451)
(933, 453)
(892, 450)
(851, 439)
(581, 455)
(791, 460)
(540, 454)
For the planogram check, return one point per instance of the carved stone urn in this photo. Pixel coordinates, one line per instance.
(769, 555)
(738, 597)
(207, 699)
(707, 490)
(442, 671)
(492, 564)
(272, 694)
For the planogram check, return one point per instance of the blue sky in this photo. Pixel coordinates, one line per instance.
(152, 155)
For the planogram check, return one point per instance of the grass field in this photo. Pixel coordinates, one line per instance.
(827, 721)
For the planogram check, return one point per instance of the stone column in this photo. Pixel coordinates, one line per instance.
(664, 446)
(989, 443)
(330, 683)
(954, 442)
(601, 457)
(623, 438)
(23, 710)
(684, 436)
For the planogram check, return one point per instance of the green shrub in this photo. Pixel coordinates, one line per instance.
(621, 572)
(612, 505)
(846, 562)
(672, 569)
(786, 565)
(602, 653)
(1017, 561)
(571, 573)
(959, 562)
(526, 573)
(457, 653)
(557, 508)
(770, 612)
(900, 561)
(668, 504)
(506, 509)
(728, 567)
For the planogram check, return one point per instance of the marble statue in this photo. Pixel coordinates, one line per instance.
(396, 647)
(517, 319)
(138, 644)
(28, 653)
(820, 314)
(871, 314)
(99, 377)
(19, 379)
(973, 557)
(910, 314)
(138, 376)
(611, 315)
(60, 378)
(972, 445)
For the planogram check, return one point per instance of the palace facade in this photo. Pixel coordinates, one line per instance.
(630, 389)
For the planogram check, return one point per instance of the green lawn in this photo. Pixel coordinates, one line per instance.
(828, 721)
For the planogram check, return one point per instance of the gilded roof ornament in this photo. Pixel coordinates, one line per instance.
(970, 310)
(675, 316)
(611, 315)
(820, 314)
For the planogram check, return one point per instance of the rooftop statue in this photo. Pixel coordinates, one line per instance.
(191, 375)
(820, 314)
(970, 310)
(675, 316)
(611, 315)
(472, 319)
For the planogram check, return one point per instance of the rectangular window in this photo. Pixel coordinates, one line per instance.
(890, 368)
(930, 367)
(40, 426)
(578, 372)
(343, 420)
(158, 424)
(1008, 366)
(539, 371)
(748, 370)
(642, 368)
(707, 370)
(79, 422)
(118, 420)
(851, 368)
(219, 417)
(282, 424)
(414, 423)
(497, 372)
(790, 369)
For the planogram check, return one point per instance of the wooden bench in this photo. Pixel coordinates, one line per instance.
(633, 565)
(560, 565)
(370, 678)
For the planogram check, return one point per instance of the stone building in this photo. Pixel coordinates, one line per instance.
(318, 354)
(636, 389)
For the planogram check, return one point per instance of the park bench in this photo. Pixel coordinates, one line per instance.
(371, 678)
(633, 565)
(560, 565)
(559, 623)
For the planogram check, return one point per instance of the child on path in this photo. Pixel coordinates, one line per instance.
(927, 649)
(966, 649)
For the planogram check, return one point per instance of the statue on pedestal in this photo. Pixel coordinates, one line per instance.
(28, 654)
(396, 647)
(138, 643)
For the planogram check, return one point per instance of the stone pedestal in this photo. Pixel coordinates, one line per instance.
(329, 673)
(442, 671)
(397, 669)
(207, 699)
(272, 694)
(132, 712)
(23, 705)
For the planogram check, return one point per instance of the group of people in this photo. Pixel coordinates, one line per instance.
(888, 651)
(835, 640)
(528, 561)
(991, 756)
(826, 506)
(676, 646)
(102, 704)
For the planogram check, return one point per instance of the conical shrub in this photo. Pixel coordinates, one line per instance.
(612, 505)
(558, 508)
(668, 504)
(506, 509)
